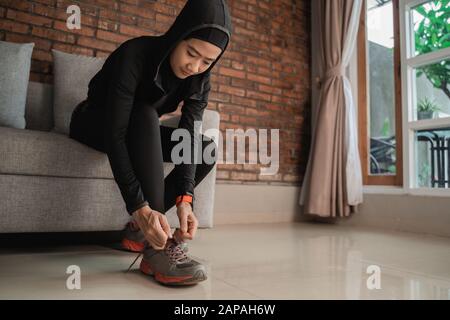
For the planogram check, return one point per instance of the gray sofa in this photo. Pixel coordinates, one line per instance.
(48, 182)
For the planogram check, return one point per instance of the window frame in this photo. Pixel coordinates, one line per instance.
(408, 63)
(363, 103)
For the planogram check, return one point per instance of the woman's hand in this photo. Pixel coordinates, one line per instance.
(188, 223)
(154, 225)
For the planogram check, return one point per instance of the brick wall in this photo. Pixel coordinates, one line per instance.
(262, 81)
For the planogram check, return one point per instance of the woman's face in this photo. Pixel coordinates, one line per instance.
(193, 56)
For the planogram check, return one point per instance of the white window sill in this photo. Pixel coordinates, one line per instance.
(422, 192)
(383, 190)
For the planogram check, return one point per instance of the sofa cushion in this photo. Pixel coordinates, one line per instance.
(15, 61)
(39, 153)
(72, 74)
(39, 107)
(31, 152)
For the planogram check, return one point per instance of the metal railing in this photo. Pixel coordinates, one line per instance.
(382, 155)
(438, 146)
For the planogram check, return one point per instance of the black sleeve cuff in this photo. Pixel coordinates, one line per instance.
(136, 207)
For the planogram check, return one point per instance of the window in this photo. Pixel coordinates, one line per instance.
(425, 60)
(379, 93)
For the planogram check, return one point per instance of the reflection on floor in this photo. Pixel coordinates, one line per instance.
(265, 261)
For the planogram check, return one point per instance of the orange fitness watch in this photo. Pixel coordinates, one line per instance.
(183, 198)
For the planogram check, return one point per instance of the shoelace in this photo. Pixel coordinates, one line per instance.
(132, 264)
(173, 250)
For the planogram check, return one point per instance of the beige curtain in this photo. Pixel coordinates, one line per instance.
(332, 186)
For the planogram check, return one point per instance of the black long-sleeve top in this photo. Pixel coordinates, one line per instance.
(135, 73)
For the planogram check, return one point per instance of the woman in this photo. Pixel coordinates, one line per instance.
(142, 79)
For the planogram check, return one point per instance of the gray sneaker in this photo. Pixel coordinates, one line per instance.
(172, 265)
(134, 239)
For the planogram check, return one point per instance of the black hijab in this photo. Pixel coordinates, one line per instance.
(194, 16)
(170, 81)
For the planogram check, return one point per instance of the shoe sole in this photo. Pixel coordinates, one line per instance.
(132, 246)
(172, 280)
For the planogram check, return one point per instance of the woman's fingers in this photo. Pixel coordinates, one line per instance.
(160, 235)
(155, 227)
(184, 223)
(193, 224)
(178, 236)
(165, 225)
(193, 230)
(155, 242)
(155, 234)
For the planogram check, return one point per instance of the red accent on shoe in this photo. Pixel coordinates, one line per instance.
(132, 245)
(145, 267)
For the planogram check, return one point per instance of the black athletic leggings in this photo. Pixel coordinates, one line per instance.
(149, 145)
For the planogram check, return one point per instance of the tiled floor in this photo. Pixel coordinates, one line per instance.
(266, 261)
